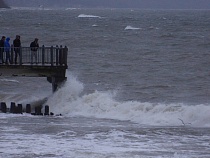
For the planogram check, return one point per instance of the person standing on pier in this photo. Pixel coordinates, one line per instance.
(17, 45)
(34, 47)
(2, 49)
(7, 50)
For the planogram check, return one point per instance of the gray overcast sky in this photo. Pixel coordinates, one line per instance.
(145, 4)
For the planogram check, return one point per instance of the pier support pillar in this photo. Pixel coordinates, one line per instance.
(56, 82)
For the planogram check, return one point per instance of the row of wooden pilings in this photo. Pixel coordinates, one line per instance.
(19, 109)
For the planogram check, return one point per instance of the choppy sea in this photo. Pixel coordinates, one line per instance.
(138, 85)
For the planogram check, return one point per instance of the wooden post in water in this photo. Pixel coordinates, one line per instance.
(46, 110)
(28, 108)
(3, 107)
(38, 110)
(19, 108)
(12, 108)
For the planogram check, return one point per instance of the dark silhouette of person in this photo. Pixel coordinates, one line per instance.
(2, 49)
(17, 45)
(7, 50)
(34, 47)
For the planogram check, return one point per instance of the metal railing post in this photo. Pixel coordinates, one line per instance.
(12, 54)
(57, 54)
(61, 55)
(65, 55)
(43, 55)
(20, 56)
(51, 55)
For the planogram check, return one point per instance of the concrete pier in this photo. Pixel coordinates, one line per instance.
(50, 62)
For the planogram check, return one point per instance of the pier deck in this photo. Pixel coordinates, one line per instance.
(50, 62)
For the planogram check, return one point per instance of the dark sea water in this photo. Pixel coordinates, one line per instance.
(138, 85)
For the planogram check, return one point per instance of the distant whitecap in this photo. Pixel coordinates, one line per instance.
(71, 8)
(131, 28)
(88, 16)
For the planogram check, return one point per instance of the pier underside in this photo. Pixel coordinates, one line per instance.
(54, 75)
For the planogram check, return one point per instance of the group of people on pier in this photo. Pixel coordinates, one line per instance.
(5, 48)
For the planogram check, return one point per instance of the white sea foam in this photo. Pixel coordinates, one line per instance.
(117, 143)
(131, 28)
(8, 80)
(94, 25)
(88, 16)
(69, 102)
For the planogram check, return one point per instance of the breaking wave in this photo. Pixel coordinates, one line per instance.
(69, 101)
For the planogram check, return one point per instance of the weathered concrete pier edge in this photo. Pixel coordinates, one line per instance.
(49, 62)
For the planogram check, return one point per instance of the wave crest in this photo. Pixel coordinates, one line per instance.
(88, 16)
(69, 102)
(131, 28)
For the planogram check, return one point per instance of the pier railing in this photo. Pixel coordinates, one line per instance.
(54, 56)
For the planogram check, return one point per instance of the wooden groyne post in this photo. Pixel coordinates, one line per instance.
(18, 109)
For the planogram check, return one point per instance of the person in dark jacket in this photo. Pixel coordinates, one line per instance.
(2, 49)
(34, 47)
(17, 45)
(7, 50)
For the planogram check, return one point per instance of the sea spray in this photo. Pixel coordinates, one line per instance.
(69, 92)
(70, 101)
